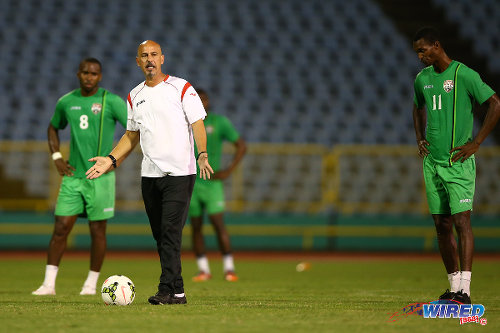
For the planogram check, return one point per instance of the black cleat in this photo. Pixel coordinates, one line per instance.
(448, 295)
(165, 298)
(461, 297)
(178, 300)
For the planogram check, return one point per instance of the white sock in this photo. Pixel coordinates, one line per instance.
(454, 279)
(50, 276)
(228, 262)
(179, 295)
(91, 279)
(465, 282)
(203, 265)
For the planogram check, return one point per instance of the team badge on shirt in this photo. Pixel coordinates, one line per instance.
(96, 108)
(209, 129)
(448, 85)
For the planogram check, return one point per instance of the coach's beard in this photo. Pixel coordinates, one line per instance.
(150, 70)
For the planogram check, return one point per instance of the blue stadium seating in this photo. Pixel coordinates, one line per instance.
(284, 71)
(482, 27)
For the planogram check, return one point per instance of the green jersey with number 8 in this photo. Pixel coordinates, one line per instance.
(92, 120)
(449, 98)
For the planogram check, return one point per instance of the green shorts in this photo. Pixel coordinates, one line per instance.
(95, 197)
(450, 189)
(208, 196)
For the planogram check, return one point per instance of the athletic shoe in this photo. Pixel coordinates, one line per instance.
(165, 298)
(87, 290)
(461, 297)
(44, 290)
(230, 276)
(447, 295)
(201, 277)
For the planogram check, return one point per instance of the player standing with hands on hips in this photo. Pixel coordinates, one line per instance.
(166, 115)
(448, 89)
(208, 195)
(92, 113)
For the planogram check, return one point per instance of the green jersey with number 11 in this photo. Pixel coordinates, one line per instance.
(449, 97)
(92, 120)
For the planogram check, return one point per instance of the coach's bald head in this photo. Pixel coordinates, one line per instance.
(149, 59)
(147, 44)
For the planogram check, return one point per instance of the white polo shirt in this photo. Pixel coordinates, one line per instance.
(163, 115)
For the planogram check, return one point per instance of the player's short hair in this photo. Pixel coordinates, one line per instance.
(91, 60)
(201, 91)
(429, 34)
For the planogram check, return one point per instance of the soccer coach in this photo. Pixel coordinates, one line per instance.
(166, 115)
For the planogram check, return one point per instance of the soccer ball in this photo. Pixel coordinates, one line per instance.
(118, 290)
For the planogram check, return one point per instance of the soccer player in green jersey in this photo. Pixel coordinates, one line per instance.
(445, 92)
(208, 195)
(92, 113)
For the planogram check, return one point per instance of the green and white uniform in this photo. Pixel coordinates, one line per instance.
(208, 195)
(448, 98)
(92, 120)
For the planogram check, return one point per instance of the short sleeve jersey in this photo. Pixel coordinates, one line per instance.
(163, 115)
(92, 120)
(219, 129)
(448, 98)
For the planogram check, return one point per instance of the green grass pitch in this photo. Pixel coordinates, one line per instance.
(335, 295)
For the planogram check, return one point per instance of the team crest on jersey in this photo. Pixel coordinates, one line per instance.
(210, 129)
(96, 108)
(448, 85)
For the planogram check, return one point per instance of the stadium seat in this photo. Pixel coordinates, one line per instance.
(483, 19)
(297, 57)
(283, 71)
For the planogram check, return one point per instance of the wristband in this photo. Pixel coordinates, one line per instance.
(113, 160)
(201, 152)
(57, 155)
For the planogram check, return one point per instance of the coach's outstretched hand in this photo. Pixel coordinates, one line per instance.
(101, 166)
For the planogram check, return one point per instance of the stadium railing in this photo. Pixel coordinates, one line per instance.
(275, 178)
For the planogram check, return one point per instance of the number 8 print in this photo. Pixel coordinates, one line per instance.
(84, 121)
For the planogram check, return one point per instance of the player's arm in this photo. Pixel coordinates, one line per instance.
(419, 122)
(120, 110)
(200, 137)
(240, 150)
(490, 121)
(124, 147)
(63, 166)
(121, 116)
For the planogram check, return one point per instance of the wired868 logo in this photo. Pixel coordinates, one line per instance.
(444, 309)
(467, 313)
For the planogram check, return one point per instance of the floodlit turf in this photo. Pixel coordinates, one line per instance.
(338, 295)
